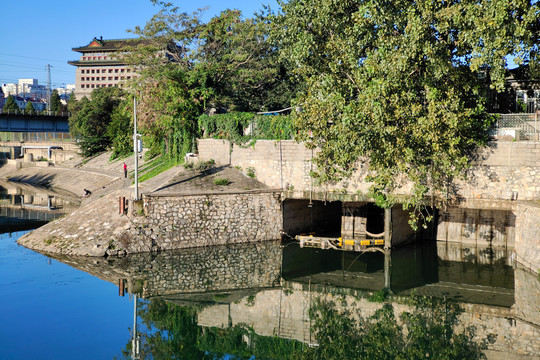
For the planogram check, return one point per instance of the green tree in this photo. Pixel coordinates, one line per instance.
(90, 119)
(29, 109)
(227, 63)
(56, 104)
(11, 105)
(120, 130)
(242, 64)
(395, 85)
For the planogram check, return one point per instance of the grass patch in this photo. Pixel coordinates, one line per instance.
(49, 240)
(156, 167)
(221, 181)
(250, 172)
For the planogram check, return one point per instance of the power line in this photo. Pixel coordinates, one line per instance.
(35, 58)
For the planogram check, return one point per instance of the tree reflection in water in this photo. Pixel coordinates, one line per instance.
(427, 330)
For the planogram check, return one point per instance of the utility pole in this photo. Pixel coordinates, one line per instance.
(48, 87)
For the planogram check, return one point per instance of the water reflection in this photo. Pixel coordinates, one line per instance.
(252, 293)
(24, 207)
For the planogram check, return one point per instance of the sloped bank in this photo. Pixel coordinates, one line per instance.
(161, 223)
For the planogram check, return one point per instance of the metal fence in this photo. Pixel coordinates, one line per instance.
(518, 126)
(40, 113)
(36, 136)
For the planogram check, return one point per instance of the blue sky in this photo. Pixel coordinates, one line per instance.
(36, 32)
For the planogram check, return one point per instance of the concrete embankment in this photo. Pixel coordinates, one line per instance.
(179, 208)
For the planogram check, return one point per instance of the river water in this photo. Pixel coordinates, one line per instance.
(266, 300)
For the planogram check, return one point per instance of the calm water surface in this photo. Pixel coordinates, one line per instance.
(251, 300)
(53, 311)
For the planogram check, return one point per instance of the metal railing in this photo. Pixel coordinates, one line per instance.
(36, 136)
(518, 126)
(36, 113)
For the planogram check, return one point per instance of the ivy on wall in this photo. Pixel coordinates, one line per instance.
(242, 127)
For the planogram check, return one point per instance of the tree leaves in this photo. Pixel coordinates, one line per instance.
(398, 83)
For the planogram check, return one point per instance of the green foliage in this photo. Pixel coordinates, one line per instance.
(120, 131)
(157, 166)
(228, 62)
(90, 119)
(29, 109)
(397, 84)
(427, 331)
(221, 181)
(250, 172)
(56, 104)
(233, 125)
(11, 105)
(379, 296)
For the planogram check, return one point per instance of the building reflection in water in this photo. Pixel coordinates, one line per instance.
(24, 207)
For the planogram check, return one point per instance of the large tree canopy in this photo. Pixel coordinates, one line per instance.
(90, 119)
(227, 63)
(399, 83)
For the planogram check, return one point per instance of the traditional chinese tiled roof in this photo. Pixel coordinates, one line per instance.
(100, 45)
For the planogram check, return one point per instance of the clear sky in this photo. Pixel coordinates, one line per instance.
(35, 33)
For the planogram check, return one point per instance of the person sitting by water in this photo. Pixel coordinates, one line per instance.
(86, 193)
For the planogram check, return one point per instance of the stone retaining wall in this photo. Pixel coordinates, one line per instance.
(189, 271)
(174, 222)
(503, 170)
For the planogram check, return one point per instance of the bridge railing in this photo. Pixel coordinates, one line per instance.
(522, 127)
(36, 136)
(40, 113)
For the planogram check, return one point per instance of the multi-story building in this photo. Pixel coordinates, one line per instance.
(26, 88)
(100, 65)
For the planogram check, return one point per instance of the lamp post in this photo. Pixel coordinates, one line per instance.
(135, 149)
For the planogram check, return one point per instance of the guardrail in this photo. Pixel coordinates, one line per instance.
(36, 136)
(36, 113)
(520, 127)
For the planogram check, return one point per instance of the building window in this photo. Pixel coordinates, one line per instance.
(122, 70)
(103, 78)
(82, 71)
(116, 70)
(110, 71)
(93, 71)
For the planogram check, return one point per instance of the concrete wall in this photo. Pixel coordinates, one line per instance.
(482, 227)
(503, 170)
(527, 238)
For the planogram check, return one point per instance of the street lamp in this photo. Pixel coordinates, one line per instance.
(135, 148)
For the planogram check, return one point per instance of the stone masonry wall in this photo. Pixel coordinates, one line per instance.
(173, 222)
(189, 271)
(504, 170)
